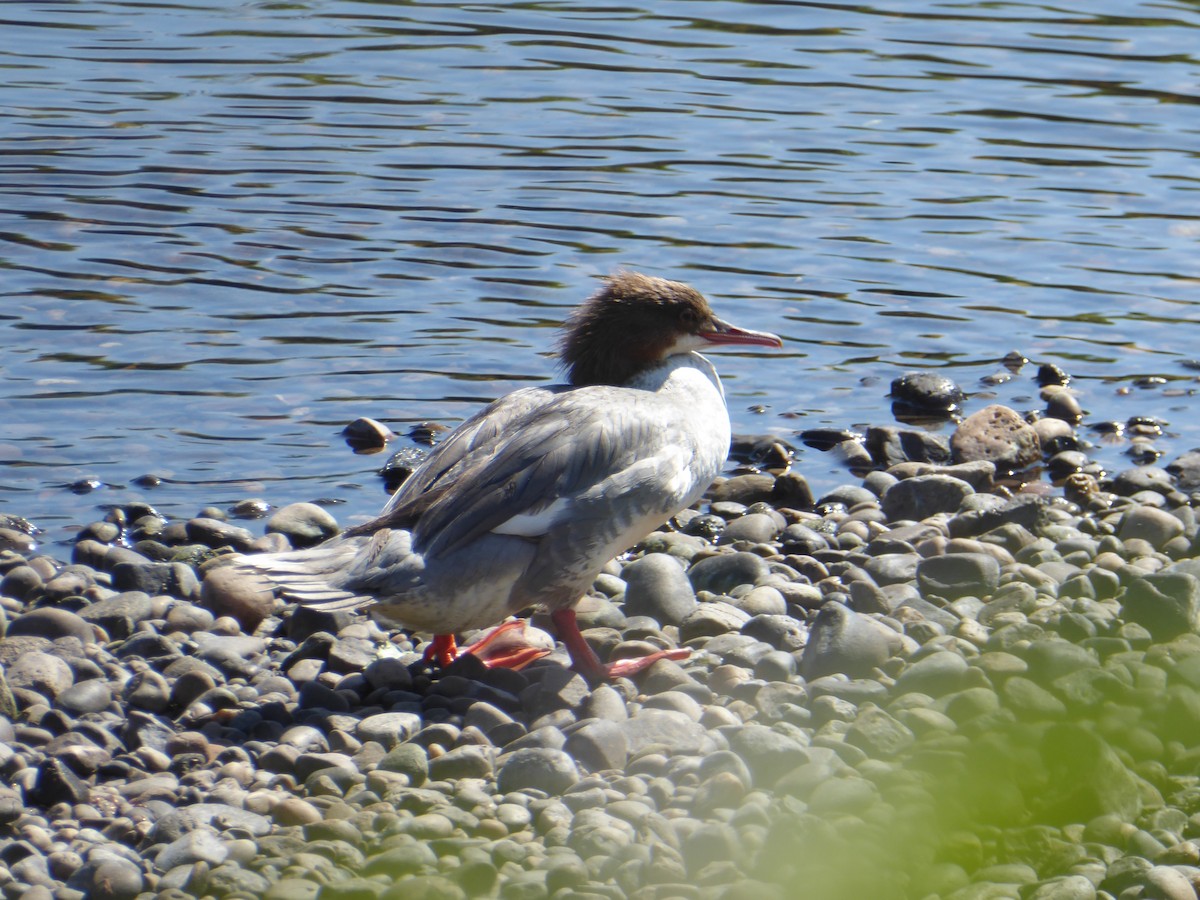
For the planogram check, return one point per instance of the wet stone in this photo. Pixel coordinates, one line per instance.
(927, 392)
(745, 489)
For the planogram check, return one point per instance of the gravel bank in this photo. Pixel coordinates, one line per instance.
(919, 685)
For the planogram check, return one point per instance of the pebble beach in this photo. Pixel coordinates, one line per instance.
(936, 680)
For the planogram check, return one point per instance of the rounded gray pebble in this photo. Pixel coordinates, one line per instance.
(657, 586)
(552, 771)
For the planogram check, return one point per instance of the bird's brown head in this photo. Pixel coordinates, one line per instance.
(636, 321)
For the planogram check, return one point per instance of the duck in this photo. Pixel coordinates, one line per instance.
(523, 504)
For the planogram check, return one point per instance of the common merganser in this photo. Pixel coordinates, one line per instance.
(524, 503)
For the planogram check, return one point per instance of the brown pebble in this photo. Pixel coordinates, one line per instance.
(229, 591)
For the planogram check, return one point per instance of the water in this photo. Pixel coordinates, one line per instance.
(226, 230)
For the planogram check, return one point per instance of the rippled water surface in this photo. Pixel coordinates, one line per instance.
(229, 229)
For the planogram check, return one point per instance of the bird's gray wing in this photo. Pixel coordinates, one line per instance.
(537, 476)
(470, 439)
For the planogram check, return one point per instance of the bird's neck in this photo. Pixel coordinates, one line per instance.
(683, 373)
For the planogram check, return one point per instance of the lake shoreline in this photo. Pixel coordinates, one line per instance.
(919, 684)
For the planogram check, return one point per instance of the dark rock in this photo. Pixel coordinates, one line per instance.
(892, 568)
(791, 491)
(147, 690)
(926, 393)
(1025, 510)
(113, 878)
(1063, 404)
(847, 496)
(55, 783)
(405, 859)
(890, 446)
(350, 654)
(142, 729)
(937, 674)
(91, 696)
(555, 688)
(780, 631)
(21, 583)
(712, 618)
(1150, 524)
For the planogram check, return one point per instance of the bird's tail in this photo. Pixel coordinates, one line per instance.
(310, 577)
